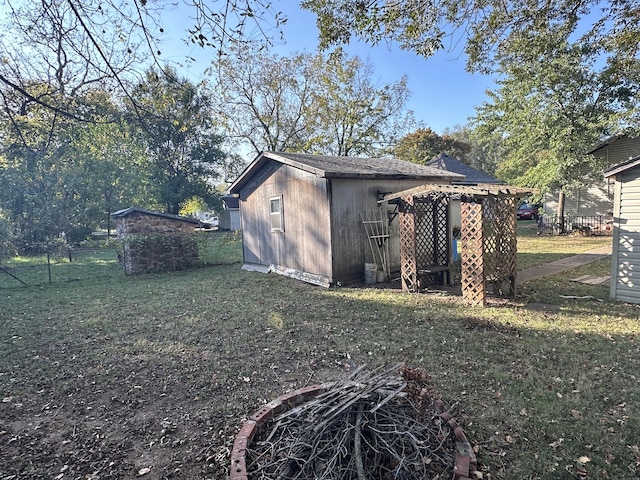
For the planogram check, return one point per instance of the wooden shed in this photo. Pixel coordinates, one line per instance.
(302, 215)
(155, 241)
(625, 261)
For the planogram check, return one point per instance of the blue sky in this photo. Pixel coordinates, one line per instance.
(443, 93)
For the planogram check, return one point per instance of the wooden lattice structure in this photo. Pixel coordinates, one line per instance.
(488, 237)
(425, 240)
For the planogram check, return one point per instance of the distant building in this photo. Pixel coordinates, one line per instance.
(230, 216)
(155, 241)
(472, 176)
(597, 198)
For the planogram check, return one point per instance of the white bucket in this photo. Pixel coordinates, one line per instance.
(380, 276)
(370, 273)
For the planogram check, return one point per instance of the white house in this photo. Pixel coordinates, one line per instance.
(625, 261)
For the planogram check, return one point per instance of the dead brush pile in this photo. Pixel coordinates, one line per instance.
(372, 424)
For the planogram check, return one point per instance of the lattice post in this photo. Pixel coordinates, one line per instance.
(508, 246)
(512, 221)
(407, 230)
(472, 254)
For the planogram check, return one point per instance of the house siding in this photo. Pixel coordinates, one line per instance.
(620, 150)
(304, 245)
(625, 265)
(595, 200)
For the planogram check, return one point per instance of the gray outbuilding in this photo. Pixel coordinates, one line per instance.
(302, 215)
(625, 260)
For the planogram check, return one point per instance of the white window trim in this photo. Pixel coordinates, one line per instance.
(280, 214)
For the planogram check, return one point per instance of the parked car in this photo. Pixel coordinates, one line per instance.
(527, 211)
(208, 220)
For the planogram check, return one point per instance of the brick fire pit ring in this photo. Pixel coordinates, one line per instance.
(465, 460)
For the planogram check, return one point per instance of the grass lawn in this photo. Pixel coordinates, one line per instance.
(105, 378)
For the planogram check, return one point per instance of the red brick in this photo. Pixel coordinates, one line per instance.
(461, 468)
(239, 446)
(238, 469)
(262, 415)
(289, 397)
(460, 435)
(248, 430)
(277, 406)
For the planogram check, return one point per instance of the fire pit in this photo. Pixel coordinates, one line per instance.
(378, 424)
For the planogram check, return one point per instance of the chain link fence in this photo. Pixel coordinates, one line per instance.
(101, 260)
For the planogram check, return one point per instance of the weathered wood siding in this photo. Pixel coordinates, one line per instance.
(304, 245)
(349, 199)
(625, 262)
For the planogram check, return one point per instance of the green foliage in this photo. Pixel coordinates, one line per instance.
(192, 205)
(551, 107)
(308, 103)
(180, 137)
(490, 28)
(424, 144)
(351, 115)
(7, 247)
(483, 152)
(65, 176)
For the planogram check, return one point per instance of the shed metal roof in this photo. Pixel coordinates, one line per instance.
(326, 166)
(451, 164)
(128, 211)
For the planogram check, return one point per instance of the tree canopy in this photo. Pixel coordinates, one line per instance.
(181, 140)
(488, 29)
(310, 103)
(424, 144)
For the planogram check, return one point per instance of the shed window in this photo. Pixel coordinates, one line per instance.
(276, 214)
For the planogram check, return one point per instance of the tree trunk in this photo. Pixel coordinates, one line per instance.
(560, 212)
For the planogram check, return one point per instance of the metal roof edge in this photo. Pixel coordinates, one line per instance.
(130, 210)
(621, 167)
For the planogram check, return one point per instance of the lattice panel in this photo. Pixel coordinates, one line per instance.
(472, 254)
(500, 244)
(432, 231)
(407, 232)
(424, 237)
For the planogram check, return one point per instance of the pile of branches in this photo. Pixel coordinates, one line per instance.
(378, 424)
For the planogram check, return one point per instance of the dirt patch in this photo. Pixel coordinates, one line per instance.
(72, 415)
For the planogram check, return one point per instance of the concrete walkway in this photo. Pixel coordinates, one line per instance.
(562, 265)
